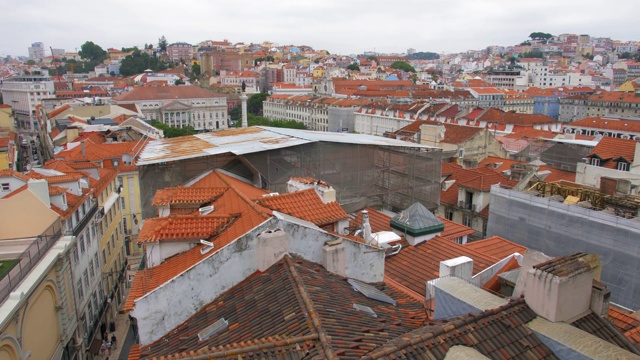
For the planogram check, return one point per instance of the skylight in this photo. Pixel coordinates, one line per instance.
(365, 309)
(210, 330)
(371, 292)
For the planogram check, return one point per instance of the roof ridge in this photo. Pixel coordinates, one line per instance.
(308, 304)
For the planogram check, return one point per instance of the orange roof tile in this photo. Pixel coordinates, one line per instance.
(166, 93)
(306, 205)
(599, 123)
(413, 266)
(183, 228)
(13, 173)
(453, 230)
(496, 247)
(186, 195)
(613, 149)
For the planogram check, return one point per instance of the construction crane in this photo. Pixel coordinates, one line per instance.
(53, 60)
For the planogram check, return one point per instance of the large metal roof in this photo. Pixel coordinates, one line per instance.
(251, 140)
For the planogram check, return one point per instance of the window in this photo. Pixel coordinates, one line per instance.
(75, 255)
(5, 187)
(623, 166)
(80, 293)
(91, 269)
(122, 203)
(467, 220)
(95, 261)
(85, 275)
(449, 215)
(595, 161)
(81, 244)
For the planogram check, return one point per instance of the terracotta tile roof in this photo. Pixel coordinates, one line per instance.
(483, 182)
(496, 247)
(570, 265)
(57, 179)
(306, 205)
(456, 134)
(453, 230)
(499, 116)
(186, 195)
(627, 323)
(165, 93)
(500, 333)
(610, 150)
(598, 123)
(15, 174)
(190, 228)
(294, 309)
(56, 190)
(247, 215)
(413, 266)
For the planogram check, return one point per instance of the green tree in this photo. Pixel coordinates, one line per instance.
(170, 131)
(138, 62)
(423, 56)
(236, 113)
(178, 82)
(124, 49)
(404, 66)
(353, 67)
(162, 44)
(533, 54)
(255, 120)
(540, 36)
(195, 72)
(30, 62)
(254, 105)
(372, 58)
(92, 52)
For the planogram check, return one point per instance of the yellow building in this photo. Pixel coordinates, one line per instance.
(630, 85)
(318, 71)
(7, 121)
(37, 317)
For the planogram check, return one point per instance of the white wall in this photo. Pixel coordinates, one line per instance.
(590, 175)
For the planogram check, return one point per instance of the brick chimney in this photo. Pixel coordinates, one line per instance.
(561, 289)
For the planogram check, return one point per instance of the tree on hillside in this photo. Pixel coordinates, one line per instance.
(254, 120)
(372, 58)
(423, 56)
(401, 65)
(92, 52)
(138, 62)
(353, 67)
(195, 72)
(533, 54)
(540, 36)
(170, 131)
(162, 44)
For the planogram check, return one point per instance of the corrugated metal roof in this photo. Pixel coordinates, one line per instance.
(251, 140)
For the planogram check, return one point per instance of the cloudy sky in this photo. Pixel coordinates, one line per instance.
(339, 26)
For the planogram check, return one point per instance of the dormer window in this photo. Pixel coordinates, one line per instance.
(5, 187)
(595, 161)
(623, 166)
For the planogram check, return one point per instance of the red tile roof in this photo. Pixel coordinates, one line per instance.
(15, 174)
(415, 265)
(306, 205)
(190, 228)
(166, 93)
(294, 309)
(187, 195)
(610, 150)
(627, 323)
(496, 247)
(598, 123)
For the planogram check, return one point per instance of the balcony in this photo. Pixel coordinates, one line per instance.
(85, 220)
(467, 206)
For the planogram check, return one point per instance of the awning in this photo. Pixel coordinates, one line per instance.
(110, 201)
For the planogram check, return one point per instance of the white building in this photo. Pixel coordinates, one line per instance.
(24, 92)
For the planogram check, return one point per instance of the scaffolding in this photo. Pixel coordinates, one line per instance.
(378, 176)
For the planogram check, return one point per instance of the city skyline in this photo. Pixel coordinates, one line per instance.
(343, 28)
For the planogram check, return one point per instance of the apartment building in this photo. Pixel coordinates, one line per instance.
(180, 52)
(24, 92)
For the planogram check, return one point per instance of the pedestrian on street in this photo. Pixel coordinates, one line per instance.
(109, 345)
(114, 341)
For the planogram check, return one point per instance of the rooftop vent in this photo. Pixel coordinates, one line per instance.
(210, 330)
(271, 194)
(208, 246)
(206, 209)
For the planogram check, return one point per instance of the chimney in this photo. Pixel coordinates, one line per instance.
(600, 299)
(333, 257)
(40, 187)
(561, 289)
(84, 151)
(273, 245)
(461, 267)
(366, 227)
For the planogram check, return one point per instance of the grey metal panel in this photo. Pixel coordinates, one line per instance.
(371, 292)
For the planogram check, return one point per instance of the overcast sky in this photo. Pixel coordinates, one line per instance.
(339, 26)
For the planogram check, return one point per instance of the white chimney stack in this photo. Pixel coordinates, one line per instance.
(366, 227)
(40, 187)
